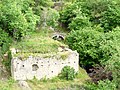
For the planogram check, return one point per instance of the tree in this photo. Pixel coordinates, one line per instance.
(17, 17)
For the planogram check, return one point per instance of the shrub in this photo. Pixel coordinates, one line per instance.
(44, 3)
(5, 41)
(68, 73)
(114, 65)
(52, 18)
(110, 18)
(99, 12)
(79, 22)
(17, 18)
(86, 42)
(68, 14)
(93, 46)
(102, 85)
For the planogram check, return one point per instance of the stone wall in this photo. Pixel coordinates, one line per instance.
(35, 66)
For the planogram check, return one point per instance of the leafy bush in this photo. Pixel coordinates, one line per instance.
(68, 14)
(68, 73)
(52, 18)
(86, 42)
(79, 22)
(99, 12)
(110, 18)
(102, 85)
(4, 42)
(45, 3)
(114, 65)
(17, 18)
(94, 47)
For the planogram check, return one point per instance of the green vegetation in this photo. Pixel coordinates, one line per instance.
(7, 61)
(64, 55)
(95, 47)
(4, 42)
(52, 18)
(48, 84)
(98, 12)
(9, 85)
(102, 85)
(57, 83)
(67, 73)
(17, 19)
(39, 42)
(92, 28)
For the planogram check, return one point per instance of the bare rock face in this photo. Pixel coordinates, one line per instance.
(41, 67)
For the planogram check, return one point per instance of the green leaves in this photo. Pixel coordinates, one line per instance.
(17, 18)
(68, 73)
(96, 47)
(52, 18)
(5, 41)
(102, 85)
(93, 46)
(79, 22)
(95, 34)
(81, 13)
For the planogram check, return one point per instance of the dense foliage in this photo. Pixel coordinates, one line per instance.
(95, 34)
(114, 65)
(52, 18)
(38, 5)
(5, 40)
(17, 17)
(99, 12)
(68, 73)
(94, 26)
(95, 47)
(102, 85)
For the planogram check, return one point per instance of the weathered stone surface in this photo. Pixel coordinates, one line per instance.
(42, 67)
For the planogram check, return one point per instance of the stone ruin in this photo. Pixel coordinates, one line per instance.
(42, 67)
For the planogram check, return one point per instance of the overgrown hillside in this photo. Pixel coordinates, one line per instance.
(94, 33)
(92, 27)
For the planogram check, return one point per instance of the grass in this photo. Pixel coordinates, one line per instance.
(56, 83)
(38, 42)
(64, 55)
(57, 55)
(49, 84)
(9, 85)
